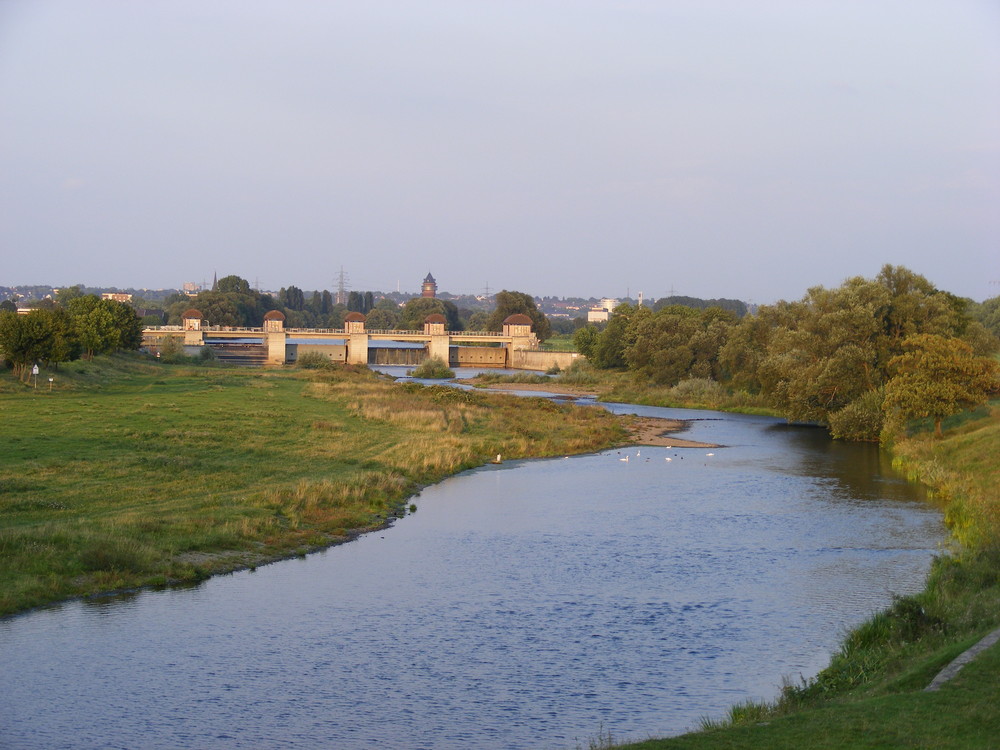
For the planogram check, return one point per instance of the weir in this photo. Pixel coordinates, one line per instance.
(516, 347)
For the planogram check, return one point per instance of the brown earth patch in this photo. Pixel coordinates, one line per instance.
(658, 431)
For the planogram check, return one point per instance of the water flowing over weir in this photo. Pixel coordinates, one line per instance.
(523, 605)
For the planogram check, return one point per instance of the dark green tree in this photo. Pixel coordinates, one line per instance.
(380, 319)
(585, 339)
(102, 326)
(25, 340)
(418, 308)
(292, 298)
(513, 303)
(233, 285)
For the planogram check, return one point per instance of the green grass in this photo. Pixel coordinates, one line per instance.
(961, 715)
(560, 342)
(133, 473)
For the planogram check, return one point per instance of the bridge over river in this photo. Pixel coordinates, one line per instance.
(516, 347)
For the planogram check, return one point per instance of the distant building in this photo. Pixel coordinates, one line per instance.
(429, 288)
(597, 315)
(191, 288)
(117, 296)
(602, 312)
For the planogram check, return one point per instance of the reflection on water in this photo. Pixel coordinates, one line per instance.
(524, 605)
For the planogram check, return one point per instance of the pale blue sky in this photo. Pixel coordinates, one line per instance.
(717, 148)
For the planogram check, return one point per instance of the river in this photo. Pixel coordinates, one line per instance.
(533, 604)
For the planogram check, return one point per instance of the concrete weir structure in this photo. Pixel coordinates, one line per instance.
(516, 347)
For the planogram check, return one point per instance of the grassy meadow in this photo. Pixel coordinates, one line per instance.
(131, 473)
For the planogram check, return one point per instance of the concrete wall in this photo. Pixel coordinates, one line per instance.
(523, 359)
(478, 356)
(334, 353)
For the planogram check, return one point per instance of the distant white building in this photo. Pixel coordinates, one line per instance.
(597, 315)
(117, 296)
(602, 312)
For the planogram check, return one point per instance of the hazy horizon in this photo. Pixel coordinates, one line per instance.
(712, 148)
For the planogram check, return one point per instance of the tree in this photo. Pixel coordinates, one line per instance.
(513, 303)
(8, 305)
(24, 340)
(291, 298)
(64, 295)
(585, 339)
(316, 303)
(988, 313)
(380, 319)
(832, 348)
(937, 377)
(355, 302)
(478, 321)
(418, 308)
(233, 285)
(609, 350)
(102, 326)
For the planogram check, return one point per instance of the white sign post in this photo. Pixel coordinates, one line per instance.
(34, 374)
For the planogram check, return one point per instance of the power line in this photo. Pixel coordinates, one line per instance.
(342, 287)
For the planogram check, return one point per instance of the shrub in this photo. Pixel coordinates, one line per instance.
(699, 390)
(862, 419)
(433, 367)
(314, 361)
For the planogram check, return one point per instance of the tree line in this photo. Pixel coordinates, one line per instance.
(233, 302)
(75, 326)
(858, 358)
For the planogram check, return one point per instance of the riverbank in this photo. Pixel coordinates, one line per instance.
(642, 430)
(583, 381)
(874, 691)
(132, 473)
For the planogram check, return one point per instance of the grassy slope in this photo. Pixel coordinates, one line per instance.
(872, 694)
(132, 473)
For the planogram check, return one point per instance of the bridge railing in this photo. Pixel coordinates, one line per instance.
(337, 331)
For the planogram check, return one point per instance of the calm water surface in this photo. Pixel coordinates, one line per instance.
(525, 605)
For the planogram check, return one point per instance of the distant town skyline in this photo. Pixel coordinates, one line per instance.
(711, 147)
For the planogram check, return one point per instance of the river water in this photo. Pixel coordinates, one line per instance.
(532, 604)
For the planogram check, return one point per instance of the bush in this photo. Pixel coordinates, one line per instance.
(699, 390)
(314, 361)
(432, 367)
(862, 419)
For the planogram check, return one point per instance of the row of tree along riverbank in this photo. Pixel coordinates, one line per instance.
(862, 358)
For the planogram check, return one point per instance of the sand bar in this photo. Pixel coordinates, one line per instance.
(642, 430)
